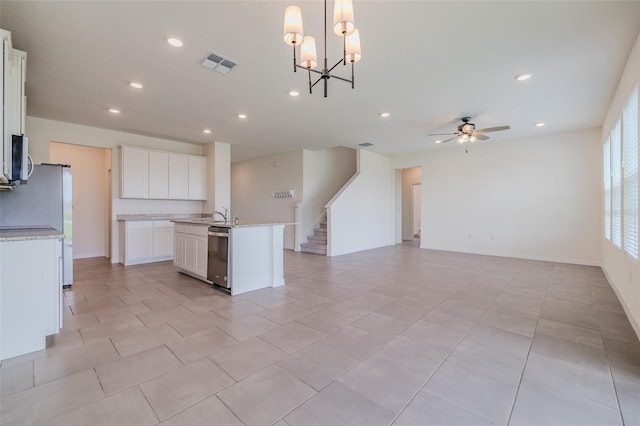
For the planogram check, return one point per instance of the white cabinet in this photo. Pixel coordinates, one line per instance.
(163, 175)
(30, 294)
(178, 177)
(178, 246)
(138, 241)
(193, 250)
(147, 241)
(158, 175)
(14, 101)
(197, 178)
(162, 239)
(135, 173)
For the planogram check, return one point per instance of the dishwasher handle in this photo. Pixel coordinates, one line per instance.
(218, 234)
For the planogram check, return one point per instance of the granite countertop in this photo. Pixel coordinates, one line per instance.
(19, 233)
(160, 216)
(241, 223)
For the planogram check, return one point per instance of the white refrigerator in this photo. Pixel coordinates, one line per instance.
(44, 201)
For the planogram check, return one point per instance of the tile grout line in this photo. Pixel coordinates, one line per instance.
(524, 367)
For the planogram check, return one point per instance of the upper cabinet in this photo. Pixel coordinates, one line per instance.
(135, 173)
(14, 100)
(162, 175)
(158, 175)
(197, 178)
(179, 177)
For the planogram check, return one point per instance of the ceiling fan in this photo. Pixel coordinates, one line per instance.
(467, 132)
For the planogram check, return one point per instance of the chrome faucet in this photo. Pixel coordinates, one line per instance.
(224, 215)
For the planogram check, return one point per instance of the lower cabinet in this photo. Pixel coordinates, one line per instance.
(147, 241)
(30, 294)
(191, 249)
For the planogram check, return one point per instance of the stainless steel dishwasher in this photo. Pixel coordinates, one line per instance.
(218, 256)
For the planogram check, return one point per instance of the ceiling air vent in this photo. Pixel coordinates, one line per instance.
(218, 63)
(365, 144)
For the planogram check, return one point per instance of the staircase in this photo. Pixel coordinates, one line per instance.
(317, 243)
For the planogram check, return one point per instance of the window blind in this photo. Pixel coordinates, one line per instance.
(630, 174)
(606, 173)
(616, 186)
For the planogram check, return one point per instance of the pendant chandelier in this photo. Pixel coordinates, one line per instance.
(343, 25)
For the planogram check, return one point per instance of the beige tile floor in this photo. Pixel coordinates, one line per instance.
(395, 335)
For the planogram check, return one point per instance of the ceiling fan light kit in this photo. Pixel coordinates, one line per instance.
(343, 25)
(467, 132)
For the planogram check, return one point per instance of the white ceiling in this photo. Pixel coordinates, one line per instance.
(427, 63)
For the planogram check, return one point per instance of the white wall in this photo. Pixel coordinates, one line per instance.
(218, 177)
(535, 199)
(410, 177)
(324, 173)
(361, 216)
(91, 214)
(622, 271)
(251, 185)
(41, 132)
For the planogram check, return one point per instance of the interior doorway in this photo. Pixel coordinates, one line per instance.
(91, 177)
(411, 203)
(416, 197)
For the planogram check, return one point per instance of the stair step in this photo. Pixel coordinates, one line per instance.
(314, 248)
(320, 239)
(320, 231)
(323, 224)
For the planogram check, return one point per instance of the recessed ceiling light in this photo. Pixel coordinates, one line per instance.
(384, 114)
(523, 77)
(242, 115)
(206, 131)
(174, 42)
(294, 93)
(540, 124)
(438, 141)
(135, 85)
(114, 110)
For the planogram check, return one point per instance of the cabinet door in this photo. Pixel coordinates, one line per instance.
(190, 253)
(28, 307)
(135, 173)
(162, 238)
(139, 241)
(178, 246)
(197, 178)
(178, 177)
(201, 256)
(158, 175)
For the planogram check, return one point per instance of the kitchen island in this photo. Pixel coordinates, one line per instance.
(254, 252)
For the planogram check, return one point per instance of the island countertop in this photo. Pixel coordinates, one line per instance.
(18, 233)
(241, 223)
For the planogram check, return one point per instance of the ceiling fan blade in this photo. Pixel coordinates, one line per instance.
(450, 139)
(493, 129)
(481, 136)
(442, 134)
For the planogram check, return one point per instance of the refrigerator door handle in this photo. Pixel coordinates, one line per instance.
(31, 167)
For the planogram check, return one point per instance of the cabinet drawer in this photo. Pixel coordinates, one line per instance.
(178, 227)
(196, 229)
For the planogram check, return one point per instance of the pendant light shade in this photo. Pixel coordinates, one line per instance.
(343, 22)
(293, 33)
(343, 26)
(352, 47)
(308, 55)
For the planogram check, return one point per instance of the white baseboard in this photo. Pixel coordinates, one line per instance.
(634, 323)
